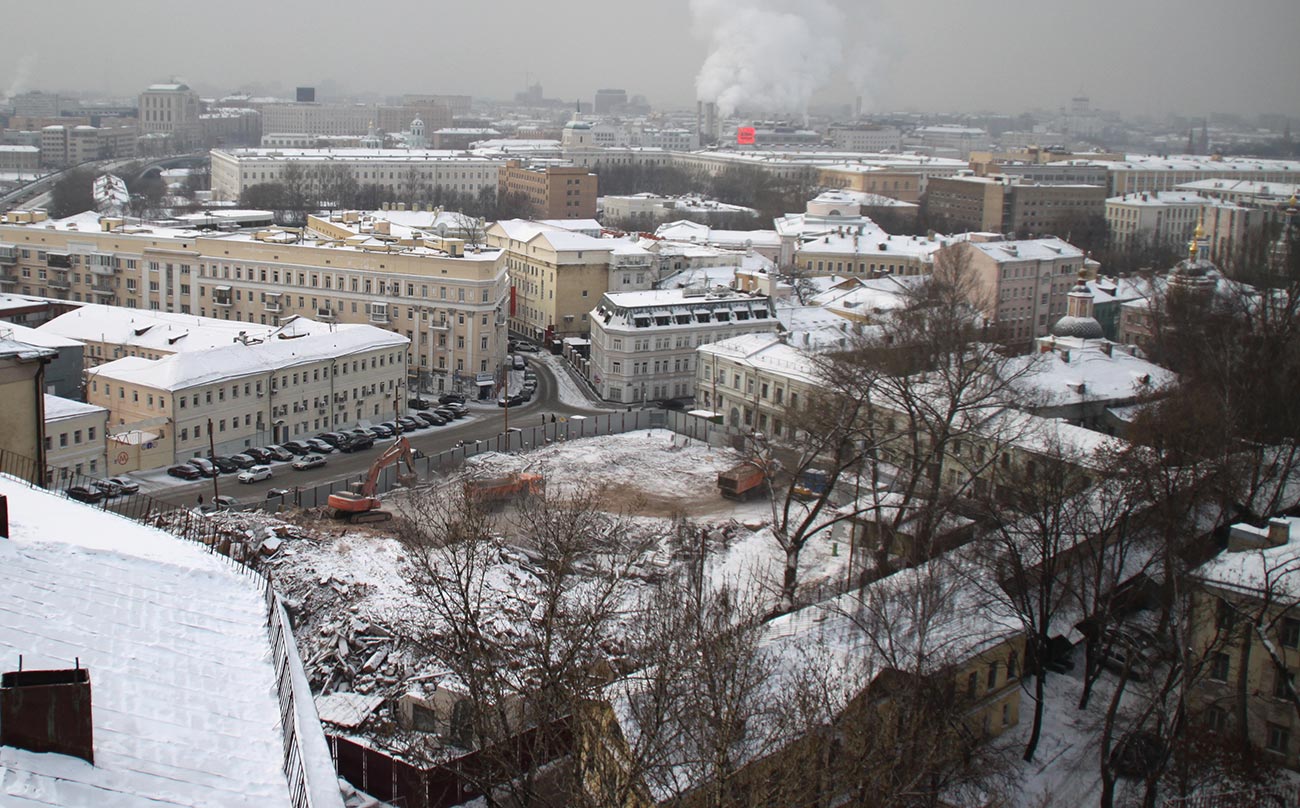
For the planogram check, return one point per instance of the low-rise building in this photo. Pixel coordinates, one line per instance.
(643, 343)
(255, 392)
(1246, 631)
(20, 159)
(22, 405)
(75, 440)
(1004, 204)
(852, 245)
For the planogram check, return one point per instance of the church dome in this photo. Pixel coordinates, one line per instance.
(1078, 327)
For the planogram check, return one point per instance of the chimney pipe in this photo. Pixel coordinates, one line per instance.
(48, 711)
(1279, 532)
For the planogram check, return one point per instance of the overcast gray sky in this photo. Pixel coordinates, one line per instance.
(1154, 56)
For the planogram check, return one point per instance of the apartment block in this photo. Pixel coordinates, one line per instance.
(1022, 286)
(170, 109)
(1003, 204)
(552, 191)
(448, 301)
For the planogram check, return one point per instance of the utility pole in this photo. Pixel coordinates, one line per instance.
(212, 453)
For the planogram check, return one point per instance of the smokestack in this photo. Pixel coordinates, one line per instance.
(47, 711)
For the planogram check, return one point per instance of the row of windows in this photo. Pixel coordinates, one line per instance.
(74, 436)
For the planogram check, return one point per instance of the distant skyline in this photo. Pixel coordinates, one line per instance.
(1152, 57)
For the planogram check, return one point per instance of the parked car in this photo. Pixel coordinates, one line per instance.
(221, 502)
(432, 418)
(227, 465)
(512, 401)
(363, 432)
(446, 411)
(204, 465)
(254, 474)
(311, 461)
(527, 347)
(333, 438)
(127, 485)
(85, 493)
(259, 454)
(526, 393)
(319, 446)
(297, 447)
(518, 362)
(185, 471)
(356, 443)
(280, 453)
(410, 423)
(244, 461)
(106, 487)
(391, 427)
(382, 430)
(451, 398)
(277, 493)
(457, 409)
(418, 403)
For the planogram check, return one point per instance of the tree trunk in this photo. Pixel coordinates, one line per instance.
(790, 582)
(1089, 665)
(1037, 730)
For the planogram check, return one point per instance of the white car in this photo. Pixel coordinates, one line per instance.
(254, 473)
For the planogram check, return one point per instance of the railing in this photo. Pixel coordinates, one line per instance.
(1279, 795)
(188, 525)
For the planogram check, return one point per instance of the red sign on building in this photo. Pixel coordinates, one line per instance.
(745, 136)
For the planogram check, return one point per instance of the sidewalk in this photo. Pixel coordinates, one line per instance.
(573, 390)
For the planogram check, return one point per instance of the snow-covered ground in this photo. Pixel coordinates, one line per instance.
(568, 390)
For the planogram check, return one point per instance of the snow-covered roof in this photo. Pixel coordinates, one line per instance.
(765, 352)
(1161, 199)
(1037, 249)
(357, 155)
(57, 408)
(166, 332)
(1079, 370)
(175, 641)
(193, 368)
(35, 336)
(22, 351)
(1265, 568)
(694, 231)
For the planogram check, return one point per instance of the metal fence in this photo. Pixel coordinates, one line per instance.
(1280, 796)
(189, 525)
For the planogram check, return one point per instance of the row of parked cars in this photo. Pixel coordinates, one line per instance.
(253, 464)
(93, 491)
(525, 393)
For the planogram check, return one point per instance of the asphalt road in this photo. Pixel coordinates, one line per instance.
(483, 423)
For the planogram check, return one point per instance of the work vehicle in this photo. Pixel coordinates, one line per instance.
(311, 461)
(362, 505)
(742, 481)
(128, 486)
(85, 493)
(254, 474)
(811, 484)
(496, 490)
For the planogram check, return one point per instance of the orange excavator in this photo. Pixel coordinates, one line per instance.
(363, 506)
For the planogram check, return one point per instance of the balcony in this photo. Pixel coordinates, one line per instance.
(326, 316)
(273, 304)
(59, 283)
(379, 314)
(8, 278)
(223, 297)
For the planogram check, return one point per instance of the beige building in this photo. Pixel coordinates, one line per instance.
(1246, 630)
(1002, 204)
(170, 109)
(556, 277)
(22, 408)
(552, 191)
(449, 301)
(75, 440)
(1023, 286)
(256, 392)
(1156, 219)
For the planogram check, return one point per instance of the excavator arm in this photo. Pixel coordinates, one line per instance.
(398, 452)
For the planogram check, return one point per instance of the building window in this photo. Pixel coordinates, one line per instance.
(1283, 683)
(993, 675)
(1290, 632)
(972, 684)
(1219, 667)
(1279, 739)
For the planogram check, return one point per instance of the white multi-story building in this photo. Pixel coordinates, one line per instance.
(255, 392)
(75, 439)
(643, 343)
(756, 381)
(1156, 218)
(405, 171)
(866, 138)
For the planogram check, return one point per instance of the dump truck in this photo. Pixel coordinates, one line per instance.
(811, 484)
(742, 481)
(362, 505)
(496, 490)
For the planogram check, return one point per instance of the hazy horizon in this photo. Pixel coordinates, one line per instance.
(1155, 58)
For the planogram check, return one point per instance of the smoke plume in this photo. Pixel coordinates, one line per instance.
(22, 72)
(767, 54)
